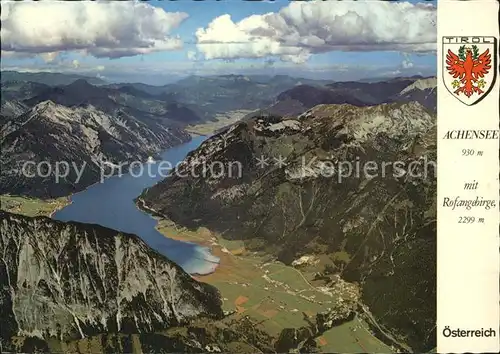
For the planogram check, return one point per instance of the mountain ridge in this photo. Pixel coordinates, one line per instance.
(300, 98)
(47, 77)
(89, 280)
(102, 138)
(378, 231)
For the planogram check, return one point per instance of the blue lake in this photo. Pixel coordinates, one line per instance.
(111, 204)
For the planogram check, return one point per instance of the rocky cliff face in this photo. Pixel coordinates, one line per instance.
(83, 137)
(10, 109)
(354, 183)
(71, 281)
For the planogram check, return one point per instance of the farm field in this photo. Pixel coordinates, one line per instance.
(31, 206)
(221, 121)
(275, 295)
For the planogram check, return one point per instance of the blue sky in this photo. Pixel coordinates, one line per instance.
(160, 41)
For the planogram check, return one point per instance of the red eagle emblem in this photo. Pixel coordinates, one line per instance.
(468, 68)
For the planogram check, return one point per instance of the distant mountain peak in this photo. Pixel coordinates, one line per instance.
(43, 106)
(421, 84)
(83, 84)
(80, 82)
(58, 113)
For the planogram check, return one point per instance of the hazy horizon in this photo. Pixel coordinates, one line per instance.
(161, 42)
(182, 77)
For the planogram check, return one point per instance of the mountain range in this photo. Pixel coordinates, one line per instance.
(84, 137)
(303, 97)
(89, 286)
(377, 230)
(215, 94)
(48, 78)
(302, 192)
(115, 123)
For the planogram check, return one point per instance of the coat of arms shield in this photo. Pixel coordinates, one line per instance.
(469, 67)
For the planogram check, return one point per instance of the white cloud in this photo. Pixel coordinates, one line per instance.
(391, 73)
(49, 57)
(304, 28)
(75, 63)
(102, 29)
(406, 63)
(192, 55)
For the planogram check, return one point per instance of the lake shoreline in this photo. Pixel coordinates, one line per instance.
(116, 203)
(60, 207)
(71, 195)
(31, 206)
(142, 206)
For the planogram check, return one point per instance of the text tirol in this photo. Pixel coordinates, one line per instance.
(468, 39)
